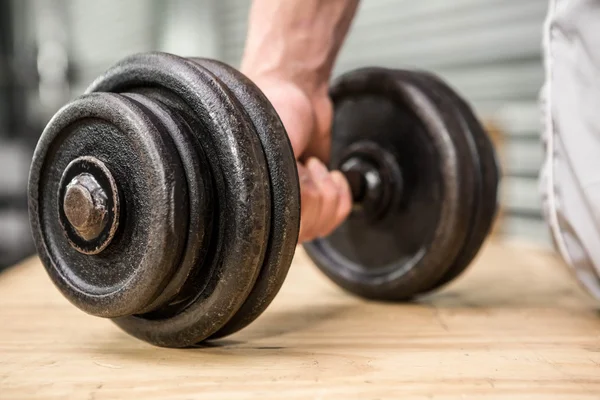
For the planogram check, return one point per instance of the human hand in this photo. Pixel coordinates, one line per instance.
(290, 50)
(325, 195)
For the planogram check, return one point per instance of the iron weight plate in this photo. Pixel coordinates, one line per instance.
(241, 187)
(467, 148)
(187, 284)
(198, 180)
(466, 142)
(135, 266)
(407, 250)
(285, 193)
(489, 171)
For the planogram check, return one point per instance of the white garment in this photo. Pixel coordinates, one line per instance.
(570, 177)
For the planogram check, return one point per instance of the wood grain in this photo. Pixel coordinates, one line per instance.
(515, 326)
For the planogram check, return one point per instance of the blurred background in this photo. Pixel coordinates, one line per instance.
(489, 50)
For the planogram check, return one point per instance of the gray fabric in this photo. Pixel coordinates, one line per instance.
(570, 99)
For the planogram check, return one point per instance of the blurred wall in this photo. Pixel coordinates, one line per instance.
(104, 31)
(18, 128)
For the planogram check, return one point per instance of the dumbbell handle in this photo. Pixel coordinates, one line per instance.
(364, 179)
(375, 186)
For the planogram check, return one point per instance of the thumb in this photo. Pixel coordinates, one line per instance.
(297, 125)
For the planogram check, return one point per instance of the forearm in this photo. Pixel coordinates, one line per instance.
(296, 40)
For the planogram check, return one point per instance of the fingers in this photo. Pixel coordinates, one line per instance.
(311, 204)
(345, 199)
(328, 197)
(326, 200)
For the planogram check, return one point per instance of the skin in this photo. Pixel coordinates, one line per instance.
(290, 51)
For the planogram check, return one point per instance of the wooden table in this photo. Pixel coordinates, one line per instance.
(516, 326)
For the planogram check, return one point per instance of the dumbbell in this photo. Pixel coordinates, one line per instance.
(167, 198)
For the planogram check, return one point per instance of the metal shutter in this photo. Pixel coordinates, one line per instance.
(489, 50)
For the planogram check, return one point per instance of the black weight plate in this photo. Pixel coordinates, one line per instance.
(135, 266)
(489, 178)
(285, 194)
(469, 151)
(197, 174)
(188, 283)
(241, 189)
(463, 133)
(397, 256)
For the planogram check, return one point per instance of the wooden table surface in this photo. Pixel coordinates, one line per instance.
(515, 326)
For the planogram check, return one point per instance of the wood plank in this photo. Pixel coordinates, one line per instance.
(515, 326)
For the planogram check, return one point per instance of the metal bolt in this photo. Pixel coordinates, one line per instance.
(84, 205)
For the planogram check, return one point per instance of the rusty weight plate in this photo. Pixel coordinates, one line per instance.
(242, 205)
(109, 131)
(205, 156)
(285, 193)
